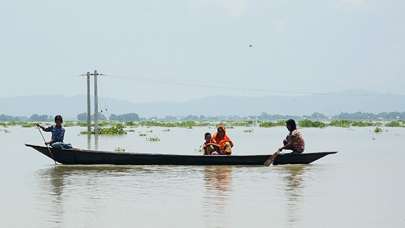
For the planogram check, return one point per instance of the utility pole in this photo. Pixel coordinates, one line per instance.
(88, 104)
(95, 74)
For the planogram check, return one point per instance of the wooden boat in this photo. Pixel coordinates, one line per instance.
(88, 157)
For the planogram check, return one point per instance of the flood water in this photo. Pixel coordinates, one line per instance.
(361, 186)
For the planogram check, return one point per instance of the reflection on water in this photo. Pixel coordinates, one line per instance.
(218, 188)
(294, 184)
(91, 186)
(60, 183)
(88, 141)
(96, 141)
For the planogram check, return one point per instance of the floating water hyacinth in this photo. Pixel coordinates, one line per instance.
(119, 149)
(153, 139)
(117, 129)
(309, 123)
(27, 125)
(378, 130)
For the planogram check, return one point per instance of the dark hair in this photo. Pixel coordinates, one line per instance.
(59, 117)
(207, 134)
(291, 123)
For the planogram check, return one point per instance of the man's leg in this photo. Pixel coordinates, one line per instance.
(210, 149)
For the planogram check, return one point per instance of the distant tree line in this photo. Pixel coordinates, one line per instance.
(122, 118)
(264, 116)
(83, 117)
(34, 117)
(341, 116)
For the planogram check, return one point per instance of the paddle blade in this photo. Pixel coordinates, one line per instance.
(271, 159)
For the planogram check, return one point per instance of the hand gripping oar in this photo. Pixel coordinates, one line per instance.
(49, 149)
(271, 159)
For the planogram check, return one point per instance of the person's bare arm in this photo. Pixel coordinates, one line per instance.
(212, 144)
(38, 125)
(287, 144)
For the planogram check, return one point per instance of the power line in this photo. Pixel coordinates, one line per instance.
(172, 82)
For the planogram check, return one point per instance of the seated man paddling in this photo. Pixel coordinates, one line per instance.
(294, 142)
(220, 143)
(58, 134)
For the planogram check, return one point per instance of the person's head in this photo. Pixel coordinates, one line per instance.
(207, 137)
(221, 130)
(58, 120)
(291, 125)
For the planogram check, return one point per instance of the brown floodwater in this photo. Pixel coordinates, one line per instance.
(361, 186)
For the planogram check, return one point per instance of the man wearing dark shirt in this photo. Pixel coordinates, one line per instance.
(58, 133)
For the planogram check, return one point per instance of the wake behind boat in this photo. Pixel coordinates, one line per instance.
(90, 157)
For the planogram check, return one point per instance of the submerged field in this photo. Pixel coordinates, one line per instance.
(360, 184)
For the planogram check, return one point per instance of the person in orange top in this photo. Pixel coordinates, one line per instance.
(222, 142)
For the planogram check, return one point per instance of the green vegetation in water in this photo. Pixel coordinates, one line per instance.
(119, 149)
(153, 139)
(351, 123)
(309, 123)
(395, 123)
(28, 124)
(165, 124)
(340, 123)
(82, 124)
(117, 129)
(109, 127)
(267, 124)
(69, 124)
(131, 124)
(378, 130)
(364, 124)
(240, 123)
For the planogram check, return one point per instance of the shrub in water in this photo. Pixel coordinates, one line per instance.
(378, 130)
(310, 123)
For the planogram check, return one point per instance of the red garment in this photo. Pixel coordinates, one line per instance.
(220, 141)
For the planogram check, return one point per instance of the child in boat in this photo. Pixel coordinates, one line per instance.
(222, 141)
(208, 147)
(294, 140)
(58, 134)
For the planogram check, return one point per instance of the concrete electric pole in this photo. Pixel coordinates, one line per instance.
(95, 75)
(88, 104)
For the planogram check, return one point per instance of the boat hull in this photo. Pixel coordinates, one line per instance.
(88, 157)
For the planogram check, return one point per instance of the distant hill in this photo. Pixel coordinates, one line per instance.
(330, 104)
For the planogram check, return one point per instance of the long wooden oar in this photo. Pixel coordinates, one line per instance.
(49, 149)
(271, 159)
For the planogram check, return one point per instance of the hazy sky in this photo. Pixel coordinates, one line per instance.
(175, 50)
